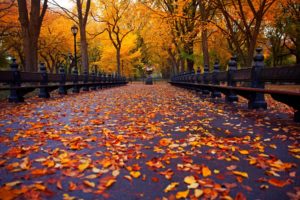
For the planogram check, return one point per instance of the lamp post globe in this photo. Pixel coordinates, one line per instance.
(74, 29)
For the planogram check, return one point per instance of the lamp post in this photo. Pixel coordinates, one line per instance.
(74, 30)
(76, 88)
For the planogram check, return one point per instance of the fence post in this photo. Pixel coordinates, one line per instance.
(75, 80)
(192, 76)
(100, 80)
(62, 88)
(93, 75)
(85, 81)
(205, 79)
(215, 93)
(232, 67)
(257, 100)
(15, 95)
(44, 93)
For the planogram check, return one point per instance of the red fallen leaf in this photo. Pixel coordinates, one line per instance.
(72, 186)
(136, 167)
(278, 183)
(240, 196)
(155, 179)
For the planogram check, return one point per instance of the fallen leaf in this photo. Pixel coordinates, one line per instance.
(206, 171)
(182, 194)
(278, 183)
(89, 183)
(135, 174)
(239, 173)
(83, 166)
(189, 179)
(171, 186)
(198, 193)
(244, 152)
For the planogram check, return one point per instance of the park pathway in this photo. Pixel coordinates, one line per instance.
(146, 142)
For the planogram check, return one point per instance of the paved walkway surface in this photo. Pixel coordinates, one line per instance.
(147, 142)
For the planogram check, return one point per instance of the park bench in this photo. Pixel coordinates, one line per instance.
(22, 83)
(248, 83)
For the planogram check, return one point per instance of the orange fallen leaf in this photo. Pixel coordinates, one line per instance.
(239, 173)
(206, 171)
(39, 172)
(164, 141)
(6, 193)
(40, 186)
(89, 183)
(278, 183)
(182, 194)
(244, 152)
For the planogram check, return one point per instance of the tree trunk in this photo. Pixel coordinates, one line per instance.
(30, 45)
(118, 57)
(84, 50)
(190, 65)
(31, 27)
(182, 64)
(204, 43)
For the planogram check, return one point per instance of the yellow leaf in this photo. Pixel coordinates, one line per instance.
(206, 171)
(198, 193)
(244, 152)
(238, 173)
(135, 174)
(171, 187)
(189, 179)
(83, 166)
(89, 183)
(193, 185)
(182, 194)
(110, 182)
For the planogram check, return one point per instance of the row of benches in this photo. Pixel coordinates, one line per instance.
(252, 80)
(22, 83)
